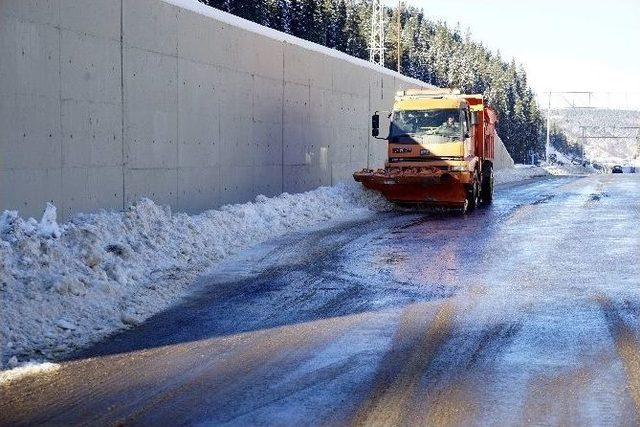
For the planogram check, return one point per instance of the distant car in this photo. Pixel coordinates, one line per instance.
(617, 169)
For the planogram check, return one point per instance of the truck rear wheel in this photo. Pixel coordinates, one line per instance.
(487, 187)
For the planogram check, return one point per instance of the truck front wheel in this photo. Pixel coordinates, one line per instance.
(487, 187)
(473, 193)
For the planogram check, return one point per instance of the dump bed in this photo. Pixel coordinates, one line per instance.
(486, 120)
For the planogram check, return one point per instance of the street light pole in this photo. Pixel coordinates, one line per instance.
(548, 143)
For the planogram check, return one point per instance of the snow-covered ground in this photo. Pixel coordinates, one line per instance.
(522, 172)
(564, 166)
(66, 285)
(518, 173)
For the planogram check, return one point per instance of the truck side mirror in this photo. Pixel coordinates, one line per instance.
(375, 125)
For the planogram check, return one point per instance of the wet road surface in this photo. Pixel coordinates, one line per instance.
(526, 312)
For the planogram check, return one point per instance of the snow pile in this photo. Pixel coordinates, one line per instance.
(564, 166)
(518, 173)
(522, 172)
(568, 169)
(48, 226)
(63, 286)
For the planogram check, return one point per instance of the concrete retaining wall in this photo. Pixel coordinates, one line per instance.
(106, 101)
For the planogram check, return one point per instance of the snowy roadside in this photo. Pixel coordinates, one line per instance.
(564, 166)
(64, 286)
(523, 172)
(518, 173)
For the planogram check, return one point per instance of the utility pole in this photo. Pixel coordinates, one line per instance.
(376, 41)
(399, 37)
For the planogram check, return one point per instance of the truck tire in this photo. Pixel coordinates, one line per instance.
(486, 190)
(473, 193)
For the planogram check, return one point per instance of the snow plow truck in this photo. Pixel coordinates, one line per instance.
(440, 150)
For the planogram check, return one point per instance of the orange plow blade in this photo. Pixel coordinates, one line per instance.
(419, 186)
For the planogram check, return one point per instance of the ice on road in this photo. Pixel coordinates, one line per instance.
(525, 312)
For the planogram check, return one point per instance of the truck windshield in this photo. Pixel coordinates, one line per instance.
(444, 123)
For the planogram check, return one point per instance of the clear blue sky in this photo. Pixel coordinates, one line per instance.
(564, 44)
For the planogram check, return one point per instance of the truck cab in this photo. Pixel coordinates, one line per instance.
(434, 131)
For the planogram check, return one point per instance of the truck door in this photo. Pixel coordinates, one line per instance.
(467, 132)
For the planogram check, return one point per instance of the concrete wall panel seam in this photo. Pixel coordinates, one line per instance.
(122, 109)
(61, 202)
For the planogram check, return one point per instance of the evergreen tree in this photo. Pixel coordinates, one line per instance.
(255, 10)
(327, 23)
(296, 26)
(306, 20)
(277, 15)
(340, 26)
(355, 44)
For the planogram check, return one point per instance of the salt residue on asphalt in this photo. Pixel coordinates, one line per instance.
(27, 370)
(63, 286)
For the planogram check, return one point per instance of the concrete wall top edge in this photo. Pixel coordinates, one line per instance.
(219, 15)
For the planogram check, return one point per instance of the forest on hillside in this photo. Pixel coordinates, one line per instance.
(432, 51)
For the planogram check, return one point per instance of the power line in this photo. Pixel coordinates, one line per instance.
(376, 41)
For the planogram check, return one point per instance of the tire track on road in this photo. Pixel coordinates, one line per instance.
(627, 347)
(413, 348)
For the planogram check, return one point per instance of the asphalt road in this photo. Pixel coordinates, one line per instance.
(526, 312)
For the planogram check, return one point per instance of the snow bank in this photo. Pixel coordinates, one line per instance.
(522, 172)
(564, 166)
(63, 286)
(518, 173)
